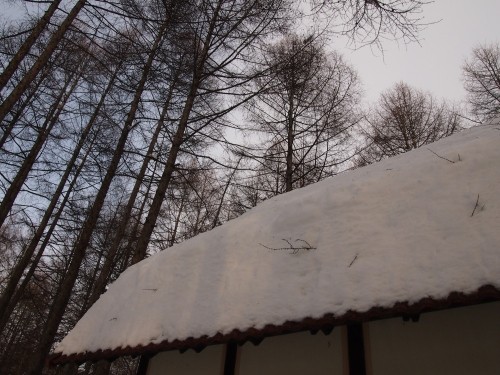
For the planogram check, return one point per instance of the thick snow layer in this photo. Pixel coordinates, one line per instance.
(398, 230)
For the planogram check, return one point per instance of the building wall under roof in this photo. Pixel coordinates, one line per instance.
(297, 353)
(460, 341)
(210, 361)
(293, 354)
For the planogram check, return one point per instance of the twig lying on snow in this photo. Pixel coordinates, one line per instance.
(476, 206)
(295, 249)
(442, 157)
(350, 264)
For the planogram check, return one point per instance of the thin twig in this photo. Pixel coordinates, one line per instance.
(475, 206)
(294, 249)
(469, 119)
(439, 156)
(307, 243)
(350, 264)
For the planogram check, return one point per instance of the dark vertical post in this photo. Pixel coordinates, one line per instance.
(143, 365)
(356, 349)
(230, 361)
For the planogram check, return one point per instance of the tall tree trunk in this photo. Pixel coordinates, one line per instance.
(11, 297)
(289, 150)
(130, 248)
(64, 292)
(51, 119)
(173, 237)
(14, 333)
(41, 61)
(7, 131)
(100, 284)
(27, 254)
(62, 297)
(161, 190)
(215, 222)
(27, 44)
(149, 224)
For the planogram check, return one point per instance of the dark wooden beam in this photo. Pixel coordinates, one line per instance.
(230, 361)
(143, 365)
(356, 349)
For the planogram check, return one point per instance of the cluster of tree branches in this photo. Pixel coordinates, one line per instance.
(482, 82)
(405, 118)
(106, 110)
(303, 112)
(114, 118)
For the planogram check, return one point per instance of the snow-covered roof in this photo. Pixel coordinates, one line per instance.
(419, 226)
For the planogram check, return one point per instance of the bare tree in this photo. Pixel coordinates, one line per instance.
(303, 109)
(28, 252)
(44, 132)
(41, 61)
(120, 228)
(482, 81)
(404, 119)
(59, 305)
(222, 37)
(30, 40)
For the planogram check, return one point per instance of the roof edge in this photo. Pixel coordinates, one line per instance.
(486, 293)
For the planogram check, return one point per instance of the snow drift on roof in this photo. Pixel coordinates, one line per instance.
(423, 224)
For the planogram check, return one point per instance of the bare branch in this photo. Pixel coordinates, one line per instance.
(294, 248)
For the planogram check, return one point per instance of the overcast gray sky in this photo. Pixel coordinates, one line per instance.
(435, 64)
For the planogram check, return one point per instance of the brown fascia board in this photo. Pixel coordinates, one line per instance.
(487, 293)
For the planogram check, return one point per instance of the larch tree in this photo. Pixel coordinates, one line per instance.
(59, 305)
(222, 36)
(45, 55)
(28, 42)
(481, 74)
(405, 118)
(303, 111)
(51, 215)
